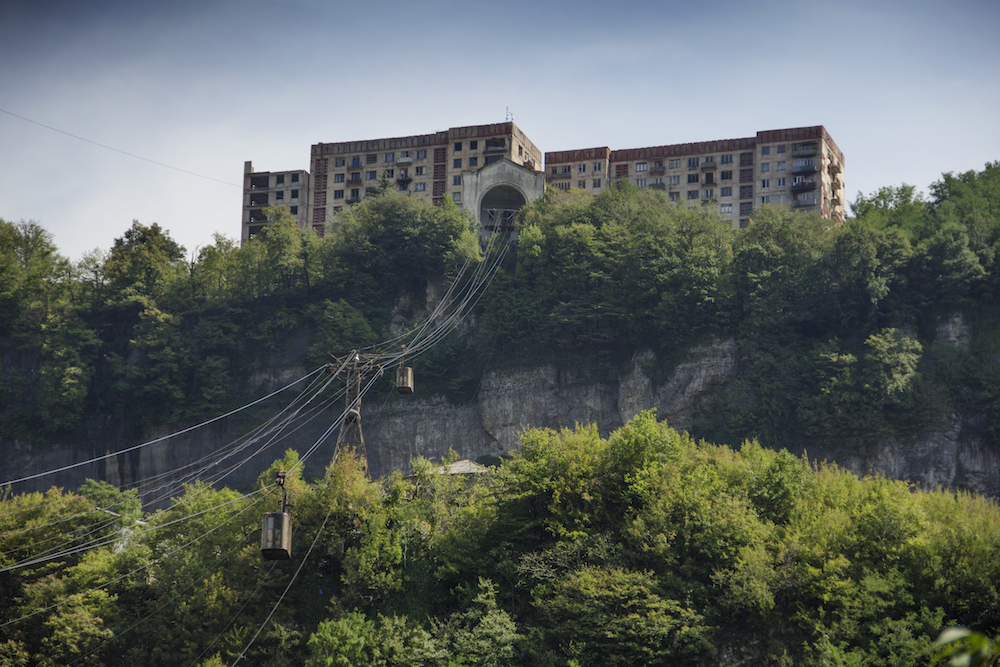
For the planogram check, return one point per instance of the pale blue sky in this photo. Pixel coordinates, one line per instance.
(908, 90)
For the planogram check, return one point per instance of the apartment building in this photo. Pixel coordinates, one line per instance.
(797, 167)
(428, 166)
(273, 188)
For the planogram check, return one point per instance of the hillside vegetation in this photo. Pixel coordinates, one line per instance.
(835, 324)
(645, 548)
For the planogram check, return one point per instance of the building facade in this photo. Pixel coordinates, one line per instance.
(797, 167)
(428, 166)
(273, 188)
(493, 170)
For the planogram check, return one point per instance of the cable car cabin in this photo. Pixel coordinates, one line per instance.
(404, 380)
(276, 536)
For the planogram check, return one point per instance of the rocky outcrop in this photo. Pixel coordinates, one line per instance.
(490, 425)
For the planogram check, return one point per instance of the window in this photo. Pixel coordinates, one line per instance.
(458, 147)
(641, 166)
(581, 168)
(764, 184)
(420, 187)
(692, 194)
(693, 178)
(295, 194)
(338, 194)
(658, 180)
(725, 192)
(420, 171)
(765, 150)
(641, 182)
(389, 157)
(278, 196)
(674, 164)
(726, 208)
(726, 159)
(555, 171)
(355, 177)
(808, 162)
(457, 163)
(581, 184)
(781, 148)
(389, 173)
(293, 210)
(673, 180)
(371, 175)
(765, 199)
(658, 164)
(279, 179)
(339, 162)
(765, 167)
(797, 179)
(490, 159)
(355, 193)
(456, 180)
(456, 196)
(566, 169)
(596, 183)
(473, 145)
(710, 159)
(709, 178)
(295, 178)
(338, 178)
(709, 194)
(597, 166)
(725, 175)
(746, 192)
(781, 166)
(692, 162)
(404, 154)
(674, 196)
(356, 161)
(520, 151)
(781, 182)
(421, 155)
(371, 158)
(473, 162)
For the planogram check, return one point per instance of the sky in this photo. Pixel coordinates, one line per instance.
(114, 111)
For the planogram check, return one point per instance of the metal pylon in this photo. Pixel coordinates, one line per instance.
(359, 368)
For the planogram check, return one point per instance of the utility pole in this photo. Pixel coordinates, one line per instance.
(360, 368)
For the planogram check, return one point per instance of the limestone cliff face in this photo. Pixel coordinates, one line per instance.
(510, 401)
(490, 425)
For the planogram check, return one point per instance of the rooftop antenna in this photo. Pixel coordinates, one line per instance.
(510, 116)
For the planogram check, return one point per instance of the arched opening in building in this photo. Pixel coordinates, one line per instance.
(498, 210)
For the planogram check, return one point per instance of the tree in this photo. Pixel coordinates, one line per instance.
(143, 260)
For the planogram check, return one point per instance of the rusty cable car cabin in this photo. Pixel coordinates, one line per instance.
(276, 529)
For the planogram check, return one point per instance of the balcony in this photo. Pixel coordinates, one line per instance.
(496, 145)
(658, 186)
(802, 203)
(803, 186)
(834, 168)
(403, 180)
(804, 150)
(658, 171)
(804, 169)
(353, 200)
(835, 200)
(354, 181)
(562, 174)
(707, 166)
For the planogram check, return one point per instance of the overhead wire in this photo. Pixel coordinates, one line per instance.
(152, 562)
(160, 439)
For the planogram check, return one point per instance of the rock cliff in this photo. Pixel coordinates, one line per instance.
(489, 426)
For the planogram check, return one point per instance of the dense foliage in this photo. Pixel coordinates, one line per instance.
(643, 548)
